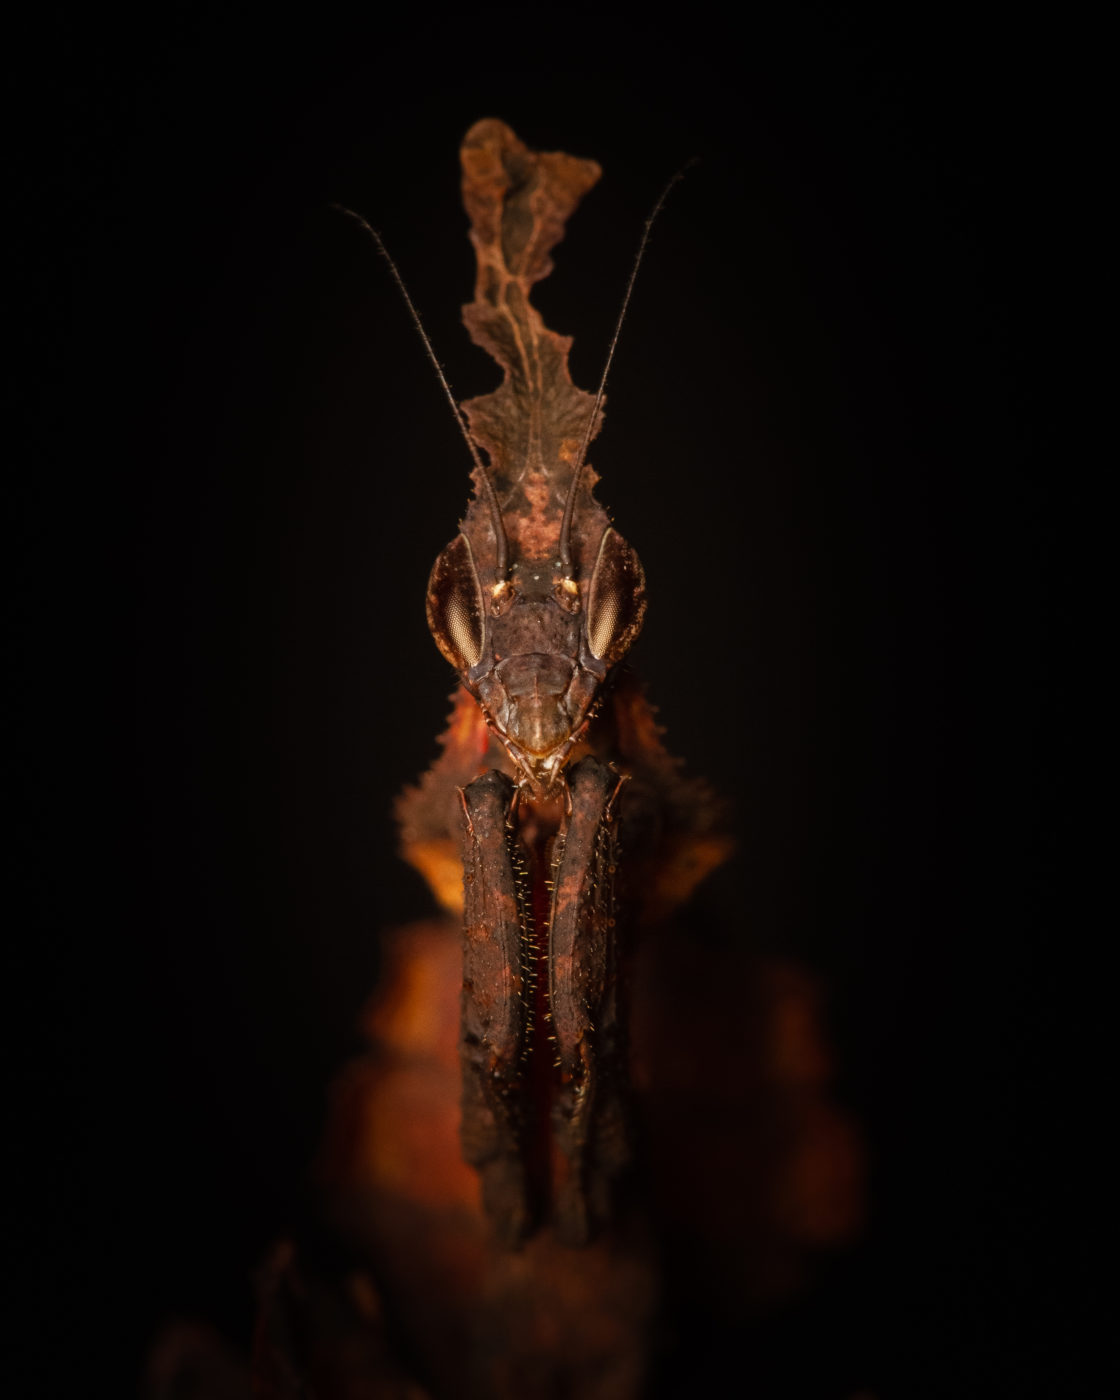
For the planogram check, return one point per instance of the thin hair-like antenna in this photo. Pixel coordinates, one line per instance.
(570, 503)
(484, 475)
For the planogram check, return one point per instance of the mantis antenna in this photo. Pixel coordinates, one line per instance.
(483, 474)
(570, 503)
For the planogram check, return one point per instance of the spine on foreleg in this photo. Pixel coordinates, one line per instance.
(588, 1113)
(495, 1020)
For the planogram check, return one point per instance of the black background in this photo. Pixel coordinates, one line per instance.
(830, 439)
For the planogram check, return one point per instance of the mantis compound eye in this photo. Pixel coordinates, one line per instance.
(616, 599)
(455, 605)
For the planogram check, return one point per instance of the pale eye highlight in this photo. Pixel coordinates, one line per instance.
(603, 621)
(462, 628)
(455, 605)
(617, 599)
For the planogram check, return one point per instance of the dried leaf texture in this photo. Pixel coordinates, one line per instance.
(533, 424)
